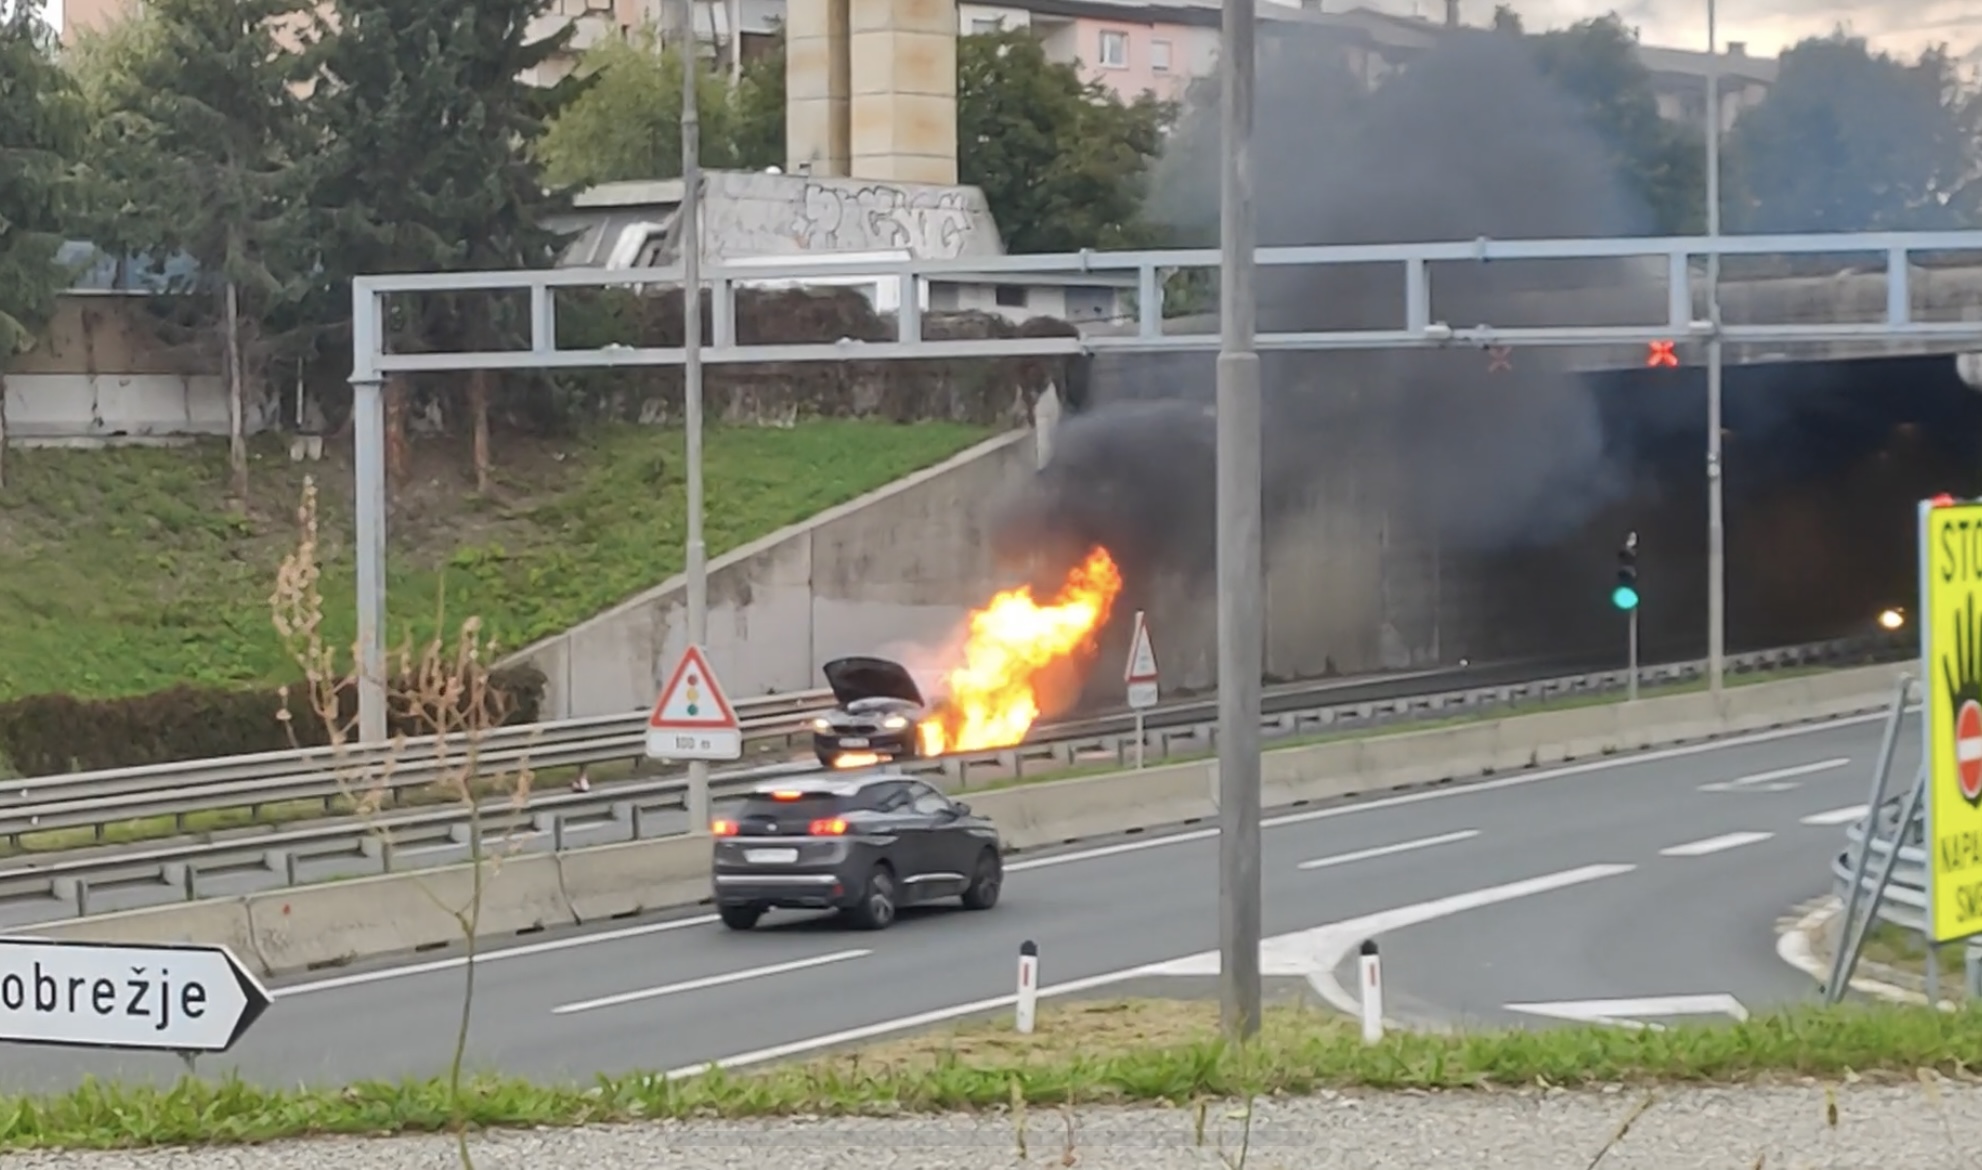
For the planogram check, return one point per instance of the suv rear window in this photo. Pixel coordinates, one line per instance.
(804, 804)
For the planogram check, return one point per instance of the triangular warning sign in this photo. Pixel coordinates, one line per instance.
(693, 699)
(1142, 657)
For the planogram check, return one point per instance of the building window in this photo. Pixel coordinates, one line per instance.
(1012, 296)
(1159, 56)
(1114, 49)
(980, 27)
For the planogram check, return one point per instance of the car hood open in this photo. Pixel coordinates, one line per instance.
(856, 678)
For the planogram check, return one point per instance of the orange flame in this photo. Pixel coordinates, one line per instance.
(990, 701)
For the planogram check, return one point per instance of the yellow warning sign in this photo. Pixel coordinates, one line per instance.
(1951, 664)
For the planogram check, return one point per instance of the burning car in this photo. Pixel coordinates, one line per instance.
(879, 710)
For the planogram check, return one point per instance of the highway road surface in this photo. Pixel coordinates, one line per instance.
(1650, 875)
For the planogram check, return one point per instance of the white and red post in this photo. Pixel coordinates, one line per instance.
(1028, 998)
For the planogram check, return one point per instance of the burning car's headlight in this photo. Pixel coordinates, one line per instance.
(822, 724)
(895, 722)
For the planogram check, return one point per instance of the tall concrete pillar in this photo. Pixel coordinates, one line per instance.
(816, 88)
(903, 112)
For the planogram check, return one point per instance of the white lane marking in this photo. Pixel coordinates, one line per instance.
(1778, 780)
(1714, 844)
(1353, 930)
(1837, 816)
(1387, 850)
(1154, 842)
(455, 964)
(707, 982)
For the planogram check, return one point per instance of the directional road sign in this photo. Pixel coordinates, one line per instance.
(693, 719)
(1951, 675)
(174, 997)
(1140, 674)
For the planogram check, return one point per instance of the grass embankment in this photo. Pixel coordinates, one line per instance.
(126, 570)
(1082, 1053)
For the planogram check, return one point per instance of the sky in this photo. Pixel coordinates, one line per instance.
(1768, 26)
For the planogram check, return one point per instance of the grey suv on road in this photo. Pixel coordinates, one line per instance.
(864, 845)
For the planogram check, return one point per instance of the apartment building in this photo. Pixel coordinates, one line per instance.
(1133, 47)
(730, 30)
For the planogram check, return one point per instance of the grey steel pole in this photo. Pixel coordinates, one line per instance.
(1632, 656)
(368, 459)
(1716, 533)
(689, 239)
(1240, 587)
(1834, 982)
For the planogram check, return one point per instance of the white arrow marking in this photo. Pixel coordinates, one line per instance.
(1314, 954)
(1618, 1012)
(1387, 850)
(1775, 781)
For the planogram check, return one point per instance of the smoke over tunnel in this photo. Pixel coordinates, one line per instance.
(1422, 506)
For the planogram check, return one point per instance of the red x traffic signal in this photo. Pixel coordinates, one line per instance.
(1662, 355)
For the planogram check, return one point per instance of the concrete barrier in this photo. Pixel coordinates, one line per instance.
(339, 922)
(613, 881)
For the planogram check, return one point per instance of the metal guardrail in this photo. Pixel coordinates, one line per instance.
(632, 810)
(1905, 901)
(87, 799)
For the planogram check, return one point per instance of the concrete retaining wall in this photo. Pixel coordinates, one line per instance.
(340, 922)
(903, 564)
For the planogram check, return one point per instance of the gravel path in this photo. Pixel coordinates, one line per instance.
(1913, 1126)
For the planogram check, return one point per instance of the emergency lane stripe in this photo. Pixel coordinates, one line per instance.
(708, 981)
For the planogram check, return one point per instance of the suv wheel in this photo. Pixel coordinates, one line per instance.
(876, 908)
(741, 917)
(982, 892)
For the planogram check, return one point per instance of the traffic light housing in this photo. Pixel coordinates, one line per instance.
(1625, 595)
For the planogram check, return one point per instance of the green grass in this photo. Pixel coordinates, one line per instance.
(127, 571)
(1093, 1053)
(1904, 950)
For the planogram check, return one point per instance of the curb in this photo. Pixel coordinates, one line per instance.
(1798, 944)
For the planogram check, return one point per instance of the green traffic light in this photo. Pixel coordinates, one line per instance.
(1624, 597)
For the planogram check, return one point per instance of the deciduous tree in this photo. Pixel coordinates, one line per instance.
(1852, 140)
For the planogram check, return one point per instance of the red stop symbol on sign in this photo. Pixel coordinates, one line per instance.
(1968, 750)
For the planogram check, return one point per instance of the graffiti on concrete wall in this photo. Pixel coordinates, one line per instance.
(934, 223)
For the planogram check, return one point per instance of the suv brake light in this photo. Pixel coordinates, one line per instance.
(722, 828)
(829, 827)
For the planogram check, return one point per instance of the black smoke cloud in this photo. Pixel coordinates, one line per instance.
(1469, 141)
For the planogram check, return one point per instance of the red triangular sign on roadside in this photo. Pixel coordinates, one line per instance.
(693, 699)
(1142, 656)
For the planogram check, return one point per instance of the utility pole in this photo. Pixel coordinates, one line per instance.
(1716, 532)
(688, 237)
(1240, 571)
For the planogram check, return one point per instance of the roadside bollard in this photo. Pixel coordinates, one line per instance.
(1028, 1000)
(1372, 993)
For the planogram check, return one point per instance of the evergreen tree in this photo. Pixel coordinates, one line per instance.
(428, 121)
(197, 131)
(41, 129)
